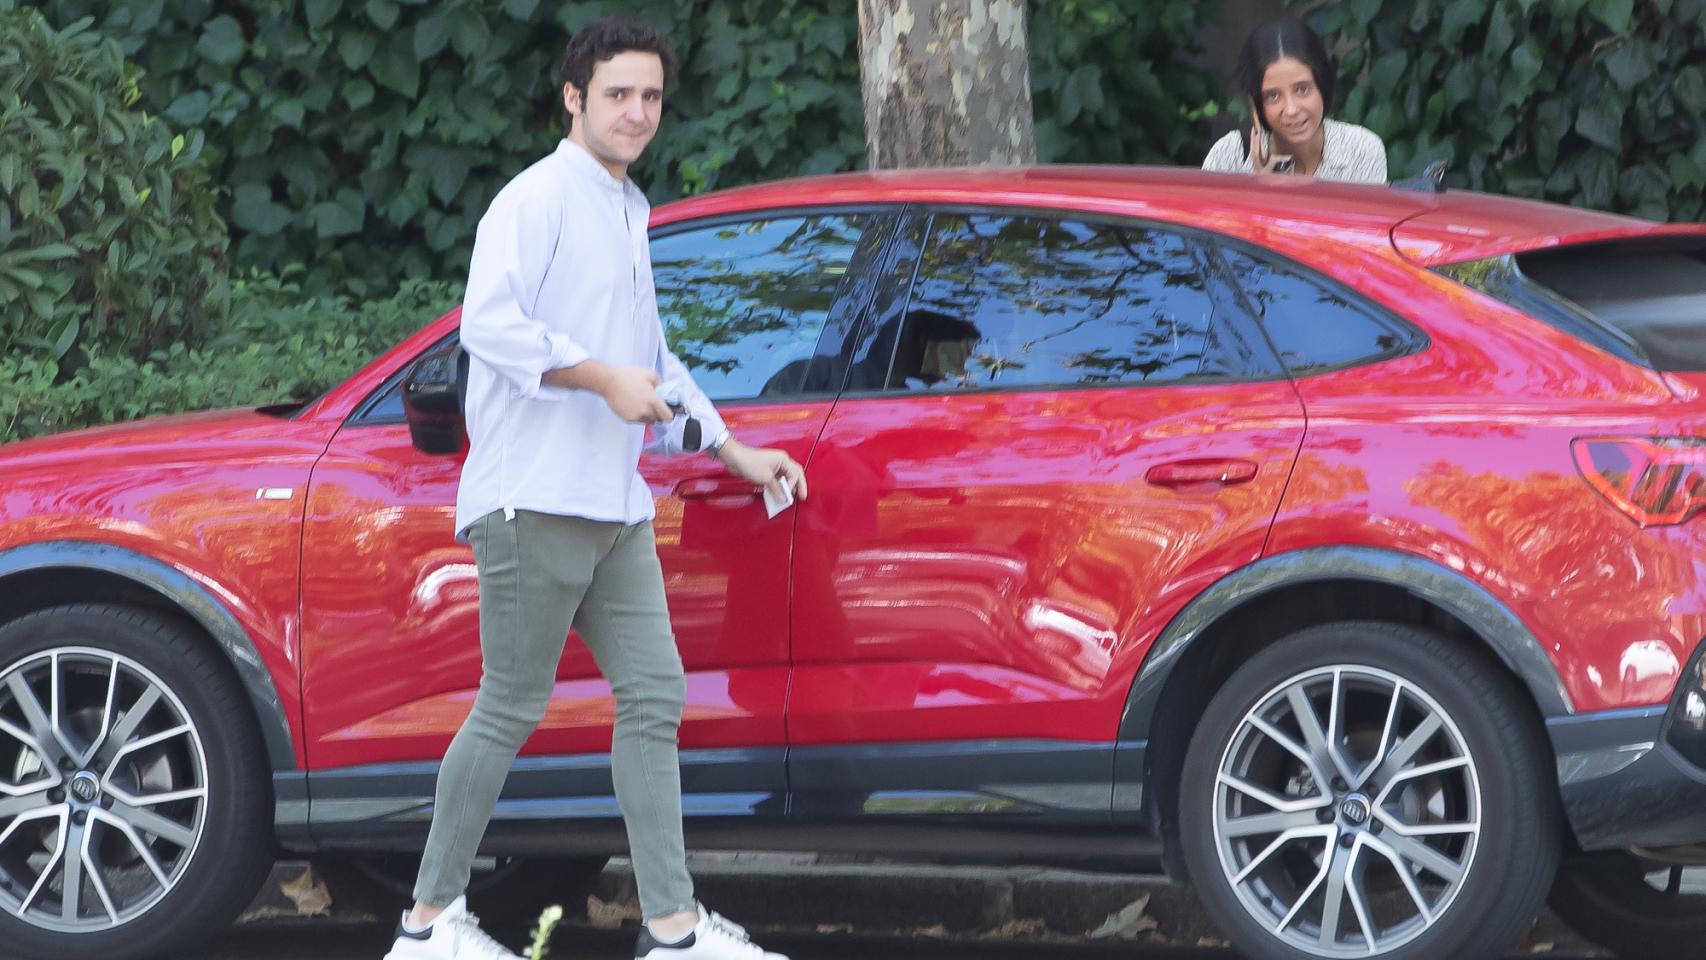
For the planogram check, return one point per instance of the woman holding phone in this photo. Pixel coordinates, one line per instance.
(1287, 81)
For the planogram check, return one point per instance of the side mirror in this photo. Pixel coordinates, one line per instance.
(432, 400)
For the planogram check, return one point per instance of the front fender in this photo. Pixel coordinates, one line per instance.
(192, 600)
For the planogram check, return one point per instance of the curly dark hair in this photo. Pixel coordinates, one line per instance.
(603, 39)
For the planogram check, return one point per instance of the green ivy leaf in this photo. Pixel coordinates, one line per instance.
(1598, 178)
(1629, 63)
(356, 49)
(190, 109)
(520, 9)
(1458, 17)
(342, 217)
(1601, 122)
(1689, 87)
(470, 35)
(253, 210)
(1615, 14)
(1460, 83)
(1421, 14)
(1069, 106)
(321, 12)
(1552, 122)
(1501, 33)
(222, 41)
(288, 113)
(383, 13)
(1364, 11)
(395, 67)
(1525, 65)
(358, 92)
(1387, 71)
(1685, 173)
(432, 34)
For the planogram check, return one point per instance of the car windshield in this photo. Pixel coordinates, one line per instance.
(1644, 301)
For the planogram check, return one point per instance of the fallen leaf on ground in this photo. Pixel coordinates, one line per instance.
(609, 916)
(939, 930)
(1016, 929)
(308, 893)
(1130, 921)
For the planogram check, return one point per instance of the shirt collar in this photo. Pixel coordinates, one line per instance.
(585, 165)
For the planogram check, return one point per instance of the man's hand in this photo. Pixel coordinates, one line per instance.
(764, 466)
(632, 395)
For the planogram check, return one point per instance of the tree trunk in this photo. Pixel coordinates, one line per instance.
(945, 82)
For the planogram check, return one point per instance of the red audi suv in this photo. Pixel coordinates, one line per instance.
(1337, 548)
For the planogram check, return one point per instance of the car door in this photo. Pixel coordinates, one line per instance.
(1056, 430)
(390, 642)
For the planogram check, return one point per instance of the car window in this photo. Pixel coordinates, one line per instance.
(1315, 324)
(743, 304)
(1028, 301)
(1642, 301)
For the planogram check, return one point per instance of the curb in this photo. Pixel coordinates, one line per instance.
(803, 893)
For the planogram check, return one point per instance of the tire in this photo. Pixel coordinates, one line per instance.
(1630, 907)
(76, 775)
(1477, 783)
(507, 896)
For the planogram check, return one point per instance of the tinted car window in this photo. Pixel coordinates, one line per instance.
(743, 303)
(1002, 301)
(1315, 324)
(1643, 302)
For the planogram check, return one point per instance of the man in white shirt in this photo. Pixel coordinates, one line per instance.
(567, 352)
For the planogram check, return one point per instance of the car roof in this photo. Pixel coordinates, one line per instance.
(1425, 228)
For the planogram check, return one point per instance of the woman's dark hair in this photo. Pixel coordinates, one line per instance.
(603, 39)
(1286, 37)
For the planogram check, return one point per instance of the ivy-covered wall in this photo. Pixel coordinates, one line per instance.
(364, 138)
(1600, 103)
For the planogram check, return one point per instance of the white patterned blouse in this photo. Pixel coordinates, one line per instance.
(1352, 153)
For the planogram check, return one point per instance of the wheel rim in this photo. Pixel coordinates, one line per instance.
(103, 789)
(1347, 810)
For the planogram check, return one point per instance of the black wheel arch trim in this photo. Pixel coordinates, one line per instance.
(1469, 602)
(193, 601)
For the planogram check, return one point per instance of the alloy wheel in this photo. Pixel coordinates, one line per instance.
(103, 789)
(1346, 811)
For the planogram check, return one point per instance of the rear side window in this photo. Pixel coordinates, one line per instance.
(1643, 303)
(1315, 324)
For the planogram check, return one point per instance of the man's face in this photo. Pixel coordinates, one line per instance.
(619, 114)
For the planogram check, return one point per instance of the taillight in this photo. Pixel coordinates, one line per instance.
(1655, 481)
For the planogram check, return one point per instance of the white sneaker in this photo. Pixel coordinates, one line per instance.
(713, 938)
(454, 934)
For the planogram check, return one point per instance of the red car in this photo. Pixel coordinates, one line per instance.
(1337, 547)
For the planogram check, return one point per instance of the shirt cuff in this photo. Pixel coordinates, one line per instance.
(565, 352)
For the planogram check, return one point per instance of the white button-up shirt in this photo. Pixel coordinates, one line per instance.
(562, 272)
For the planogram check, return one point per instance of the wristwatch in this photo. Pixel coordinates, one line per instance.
(714, 449)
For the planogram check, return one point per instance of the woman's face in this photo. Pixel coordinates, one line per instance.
(1291, 102)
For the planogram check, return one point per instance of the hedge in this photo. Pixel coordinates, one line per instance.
(364, 138)
(1600, 103)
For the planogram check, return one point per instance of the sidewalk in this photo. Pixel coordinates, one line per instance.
(805, 892)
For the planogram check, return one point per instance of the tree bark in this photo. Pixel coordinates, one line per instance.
(945, 83)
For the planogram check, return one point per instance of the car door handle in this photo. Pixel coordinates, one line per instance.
(1192, 473)
(704, 488)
